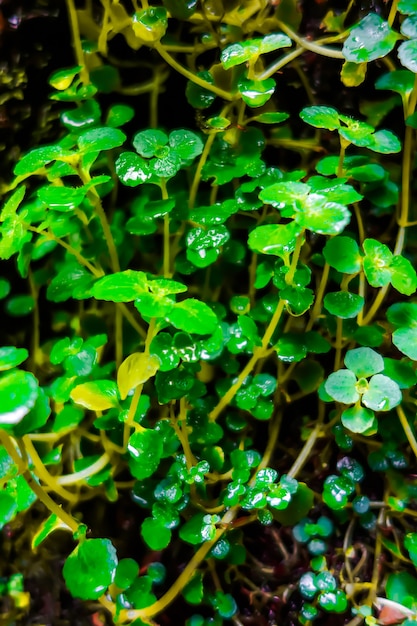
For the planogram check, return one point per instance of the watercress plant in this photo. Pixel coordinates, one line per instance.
(219, 319)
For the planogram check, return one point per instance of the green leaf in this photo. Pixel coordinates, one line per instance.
(193, 316)
(405, 339)
(271, 118)
(194, 590)
(371, 39)
(90, 568)
(150, 24)
(127, 571)
(224, 604)
(383, 394)
(97, 395)
(321, 117)
(333, 601)
(145, 449)
(401, 372)
(297, 299)
(19, 392)
(407, 53)
(72, 281)
(256, 93)
(149, 142)
(322, 217)
(8, 508)
(408, 7)
(377, 263)
(135, 370)
(343, 254)
(401, 587)
(155, 533)
(62, 79)
(239, 53)
(38, 158)
(276, 239)
(357, 419)
(101, 138)
(18, 306)
(121, 286)
(132, 169)
(12, 204)
(400, 81)
(86, 115)
(62, 198)
(343, 304)
(364, 362)
(199, 528)
(48, 526)
(197, 96)
(187, 145)
(341, 386)
(119, 114)
(12, 357)
(403, 275)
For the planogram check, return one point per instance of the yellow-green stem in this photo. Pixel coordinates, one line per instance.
(39, 491)
(197, 175)
(43, 474)
(407, 429)
(77, 477)
(191, 76)
(130, 420)
(76, 40)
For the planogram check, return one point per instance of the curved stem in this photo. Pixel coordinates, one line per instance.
(76, 477)
(42, 473)
(310, 45)
(191, 76)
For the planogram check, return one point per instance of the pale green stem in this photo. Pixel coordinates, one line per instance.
(36, 488)
(77, 477)
(42, 473)
(310, 45)
(407, 429)
(76, 40)
(191, 76)
(307, 449)
(197, 175)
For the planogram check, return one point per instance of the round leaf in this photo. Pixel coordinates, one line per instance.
(343, 304)
(407, 53)
(132, 169)
(101, 138)
(405, 339)
(11, 357)
(256, 93)
(343, 254)
(148, 142)
(341, 386)
(371, 39)
(358, 419)
(276, 239)
(383, 394)
(321, 117)
(90, 568)
(193, 316)
(145, 448)
(364, 362)
(121, 286)
(186, 144)
(19, 392)
(155, 533)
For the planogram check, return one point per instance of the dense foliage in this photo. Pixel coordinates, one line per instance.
(208, 386)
